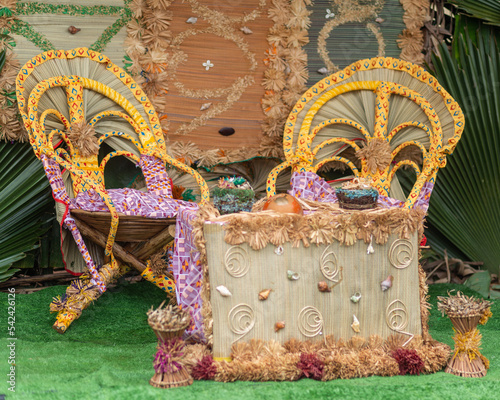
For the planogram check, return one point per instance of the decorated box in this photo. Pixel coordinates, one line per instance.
(282, 276)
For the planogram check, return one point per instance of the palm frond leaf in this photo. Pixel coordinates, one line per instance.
(487, 10)
(24, 198)
(465, 209)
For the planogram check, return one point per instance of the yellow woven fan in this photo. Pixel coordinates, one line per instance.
(366, 115)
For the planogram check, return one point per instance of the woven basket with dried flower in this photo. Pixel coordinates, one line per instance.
(465, 314)
(169, 324)
(233, 195)
(357, 194)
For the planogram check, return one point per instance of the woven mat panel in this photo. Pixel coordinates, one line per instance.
(44, 25)
(352, 31)
(307, 313)
(215, 74)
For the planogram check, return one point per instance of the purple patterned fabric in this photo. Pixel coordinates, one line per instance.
(156, 176)
(60, 195)
(188, 273)
(131, 202)
(154, 204)
(54, 176)
(309, 185)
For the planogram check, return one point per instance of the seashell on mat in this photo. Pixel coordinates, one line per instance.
(224, 291)
(264, 294)
(323, 287)
(355, 324)
(387, 283)
(356, 297)
(73, 29)
(292, 275)
(192, 20)
(279, 325)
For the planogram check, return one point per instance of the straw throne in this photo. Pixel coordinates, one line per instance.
(338, 272)
(81, 112)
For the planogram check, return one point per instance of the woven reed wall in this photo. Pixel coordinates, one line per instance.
(258, 73)
(213, 63)
(308, 313)
(42, 26)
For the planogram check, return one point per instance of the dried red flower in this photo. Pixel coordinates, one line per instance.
(204, 369)
(311, 366)
(409, 361)
(423, 242)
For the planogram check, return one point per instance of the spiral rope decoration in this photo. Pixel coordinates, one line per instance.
(241, 320)
(396, 317)
(329, 266)
(310, 322)
(236, 261)
(401, 253)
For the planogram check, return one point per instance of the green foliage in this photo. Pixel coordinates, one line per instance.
(487, 10)
(24, 198)
(108, 354)
(464, 215)
(480, 282)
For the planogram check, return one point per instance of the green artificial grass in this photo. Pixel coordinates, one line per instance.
(108, 354)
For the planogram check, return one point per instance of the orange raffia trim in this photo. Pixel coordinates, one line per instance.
(155, 68)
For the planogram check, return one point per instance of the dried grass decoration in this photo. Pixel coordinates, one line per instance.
(465, 314)
(169, 324)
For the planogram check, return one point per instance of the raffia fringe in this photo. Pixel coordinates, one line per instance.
(358, 357)
(411, 41)
(287, 74)
(329, 223)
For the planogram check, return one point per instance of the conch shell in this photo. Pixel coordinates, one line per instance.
(355, 324)
(264, 294)
(279, 325)
(387, 283)
(224, 291)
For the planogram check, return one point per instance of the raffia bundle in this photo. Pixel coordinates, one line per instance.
(169, 323)
(465, 314)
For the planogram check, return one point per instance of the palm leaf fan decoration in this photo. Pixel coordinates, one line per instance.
(375, 116)
(94, 103)
(102, 116)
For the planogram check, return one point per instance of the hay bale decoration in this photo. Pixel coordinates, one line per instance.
(466, 313)
(169, 324)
